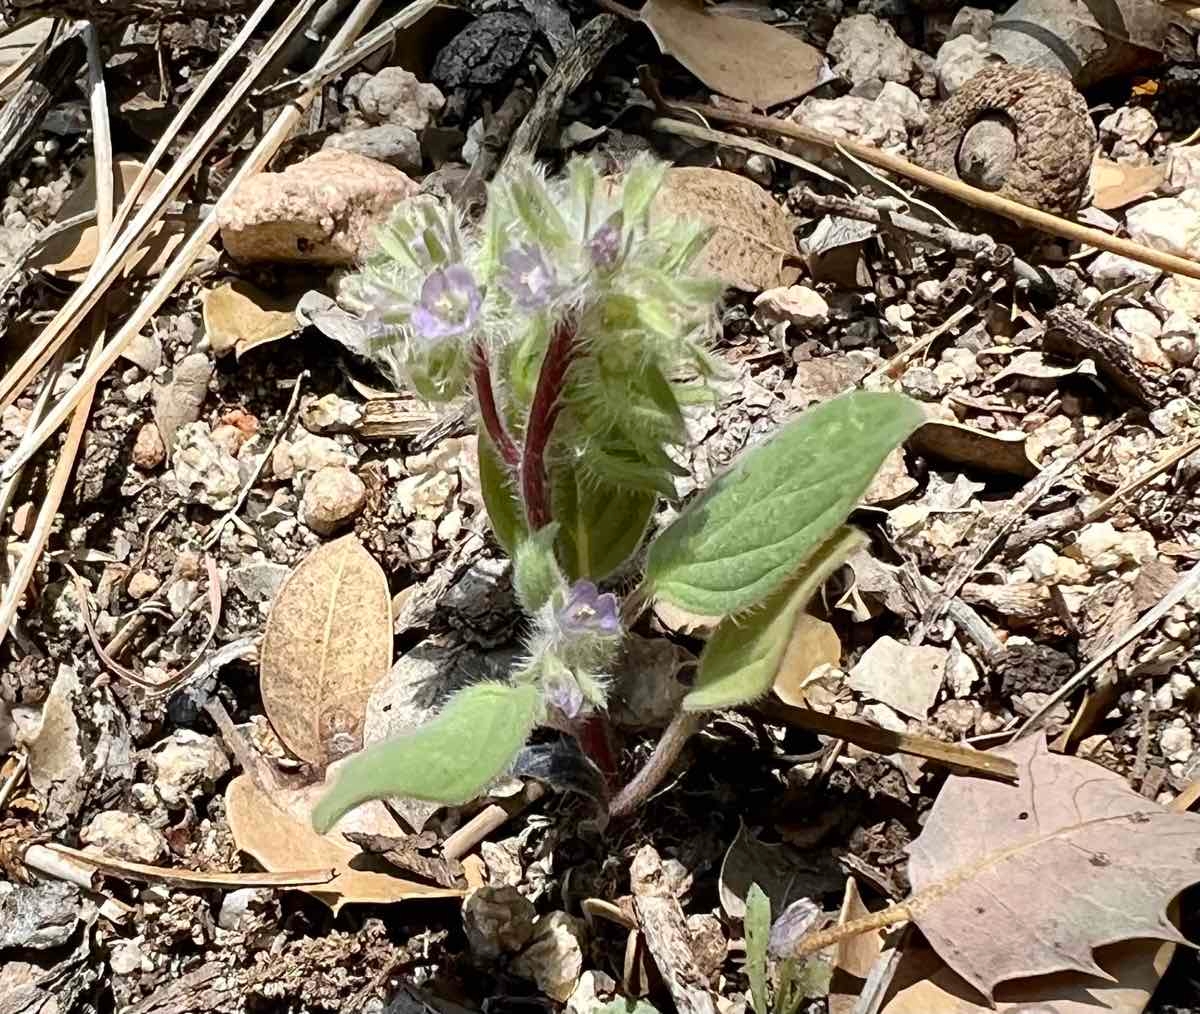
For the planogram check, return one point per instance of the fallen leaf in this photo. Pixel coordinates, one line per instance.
(752, 235)
(968, 447)
(814, 644)
(275, 829)
(1116, 184)
(746, 60)
(1016, 881)
(901, 676)
(785, 873)
(328, 641)
(1032, 365)
(922, 984)
(238, 316)
(69, 254)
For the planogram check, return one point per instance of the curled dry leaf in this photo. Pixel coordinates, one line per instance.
(1027, 880)
(752, 241)
(968, 447)
(1116, 184)
(275, 828)
(814, 644)
(238, 316)
(69, 254)
(786, 874)
(328, 641)
(746, 60)
(922, 983)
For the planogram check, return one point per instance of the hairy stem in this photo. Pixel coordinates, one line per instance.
(542, 414)
(485, 395)
(683, 726)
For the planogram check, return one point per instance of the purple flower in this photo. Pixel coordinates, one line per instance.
(527, 277)
(450, 304)
(605, 244)
(565, 694)
(588, 611)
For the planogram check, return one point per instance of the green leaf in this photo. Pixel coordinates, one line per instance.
(758, 931)
(450, 760)
(743, 655)
(748, 533)
(504, 510)
(536, 575)
(602, 524)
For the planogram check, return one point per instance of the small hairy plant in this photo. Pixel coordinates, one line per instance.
(572, 313)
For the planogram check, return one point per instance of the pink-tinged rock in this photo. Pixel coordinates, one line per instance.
(323, 210)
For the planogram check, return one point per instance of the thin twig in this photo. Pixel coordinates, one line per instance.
(489, 819)
(1153, 472)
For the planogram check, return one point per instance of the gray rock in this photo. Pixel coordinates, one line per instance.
(395, 96)
(333, 497)
(959, 60)
(864, 48)
(1169, 223)
(39, 915)
(973, 21)
(186, 765)
(921, 383)
(204, 473)
(258, 580)
(389, 142)
(178, 402)
(1110, 270)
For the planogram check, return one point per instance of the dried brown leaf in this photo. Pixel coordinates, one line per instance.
(1017, 881)
(1116, 184)
(814, 644)
(328, 641)
(753, 235)
(785, 873)
(746, 60)
(968, 447)
(238, 316)
(276, 829)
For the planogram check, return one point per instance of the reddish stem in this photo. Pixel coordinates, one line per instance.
(542, 414)
(485, 394)
(595, 740)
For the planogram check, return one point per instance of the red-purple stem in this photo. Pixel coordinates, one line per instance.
(542, 414)
(485, 394)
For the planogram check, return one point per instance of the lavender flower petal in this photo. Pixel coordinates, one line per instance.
(527, 277)
(450, 304)
(589, 611)
(605, 244)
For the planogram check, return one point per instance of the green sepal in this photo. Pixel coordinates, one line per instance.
(750, 531)
(450, 760)
(536, 574)
(742, 657)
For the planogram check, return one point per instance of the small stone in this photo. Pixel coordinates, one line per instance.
(863, 48)
(1128, 129)
(1041, 561)
(761, 169)
(143, 584)
(1110, 271)
(854, 118)
(204, 473)
(958, 60)
(1180, 295)
(179, 401)
(187, 764)
(333, 497)
(1175, 741)
(322, 210)
(974, 21)
(921, 383)
(258, 580)
(904, 102)
(397, 146)
(497, 920)
(124, 835)
(240, 909)
(1183, 167)
(39, 915)
(228, 438)
(928, 291)
(330, 414)
(125, 957)
(1103, 548)
(308, 453)
(149, 451)
(1136, 321)
(1168, 223)
(554, 957)
(900, 676)
(396, 96)
(797, 304)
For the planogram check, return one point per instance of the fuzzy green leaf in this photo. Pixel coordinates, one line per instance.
(743, 655)
(450, 760)
(504, 511)
(602, 524)
(758, 931)
(748, 533)
(536, 575)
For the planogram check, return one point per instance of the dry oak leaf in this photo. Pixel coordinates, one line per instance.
(1012, 881)
(328, 641)
(968, 447)
(276, 829)
(814, 645)
(753, 236)
(1115, 184)
(744, 59)
(238, 316)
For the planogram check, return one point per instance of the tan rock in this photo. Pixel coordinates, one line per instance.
(797, 304)
(149, 451)
(143, 584)
(323, 210)
(333, 497)
(125, 836)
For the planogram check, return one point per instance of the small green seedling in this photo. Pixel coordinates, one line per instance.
(572, 313)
